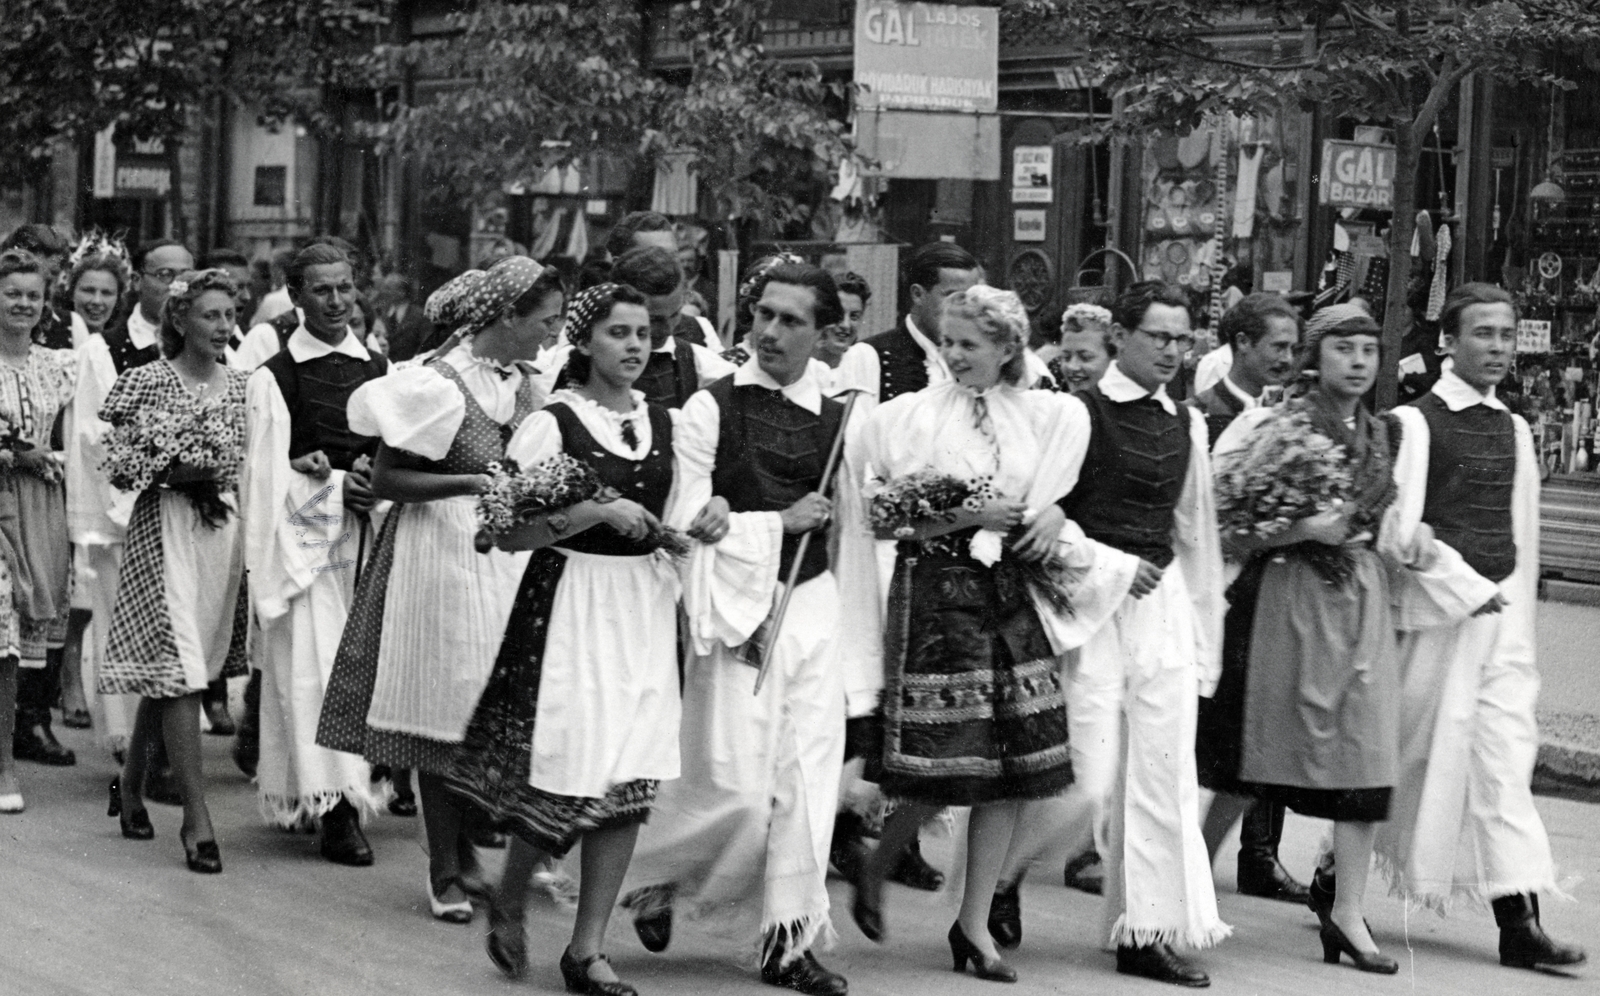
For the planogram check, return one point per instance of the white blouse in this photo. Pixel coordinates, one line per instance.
(419, 410)
(539, 436)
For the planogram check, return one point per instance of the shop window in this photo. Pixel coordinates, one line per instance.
(272, 186)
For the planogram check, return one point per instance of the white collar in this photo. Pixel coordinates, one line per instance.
(1119, 387)
(928, 345)
(1248, 401)
(1458, 394)
(667, 347)
(304, 346)
(140, 331)
(803, 392)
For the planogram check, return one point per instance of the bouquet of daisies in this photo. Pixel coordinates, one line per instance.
(516, 497)
(197, 436)
(1286, 471)
(928, 496)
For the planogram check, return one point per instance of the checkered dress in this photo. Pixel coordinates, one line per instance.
(141, 652)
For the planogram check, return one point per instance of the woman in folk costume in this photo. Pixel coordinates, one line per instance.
(179, 622)
(1308, 646)
(430, 610)
(974, 711)
(1464, 822)
(307, 498)
(578, 724)
(36, 385)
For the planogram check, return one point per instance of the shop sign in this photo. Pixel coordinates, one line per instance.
(1533, 336)
(927, 57)
(1031, 169)
(105, 162)
(1027, 226)
(1357, 175)
(142, 179)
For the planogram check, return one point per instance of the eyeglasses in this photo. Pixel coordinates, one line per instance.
(166, 276)
(1184, 341)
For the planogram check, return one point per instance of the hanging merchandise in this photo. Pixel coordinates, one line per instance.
(578, 241)
(1244, 196)
(547, 238)
(1441, 276)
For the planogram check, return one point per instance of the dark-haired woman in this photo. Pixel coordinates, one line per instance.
(179, 621)
(1321, 699)
(579, 722)
(36, 383)
(430, 610)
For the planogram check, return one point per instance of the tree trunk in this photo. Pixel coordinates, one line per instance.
(180, 224)
(1396, 311)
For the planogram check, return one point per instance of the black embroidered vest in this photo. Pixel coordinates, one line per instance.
(1132, 475)
(770, 454)
(646, 481)
(125, 355)
(668, 378)
(902, 365)
(1219, 406)
(1472, 464)
(315, 393)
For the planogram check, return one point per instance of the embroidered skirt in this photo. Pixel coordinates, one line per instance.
(492, 765)
(974, 709)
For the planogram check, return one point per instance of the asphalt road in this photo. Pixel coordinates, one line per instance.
(83, 911)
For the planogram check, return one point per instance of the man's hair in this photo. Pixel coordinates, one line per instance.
(1128, 310)
(316, 254)
(825, 293)
(39, 239)
(146, 248)
(224, 256)
(621, 238)
(1459, 300)
(925, 262)
(283, 259)
(851, 282)
(650, 270)
(1252, 318)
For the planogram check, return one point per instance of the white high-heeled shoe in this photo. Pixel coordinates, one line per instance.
(12, 803)
(460, 912)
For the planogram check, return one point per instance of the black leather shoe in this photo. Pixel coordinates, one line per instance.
(1335, 943)
(222, 724)
(507, 942)
(1005, 915)
(846, 853)
(963, 951)
(160, 786)
(135, 825)
(1270, 881)
(915, 873)
(247, 753)
(1160, 963)
(868, 914)
(652, 916)
(38, 744)
(1321, 894)
(343, 843)
(1523, 942)
(804, 975)
(1085, 873)
(202, 856)
(575, 974)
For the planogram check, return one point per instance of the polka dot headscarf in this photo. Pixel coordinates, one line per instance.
(586, 308)
(501, 286)
(445, 306)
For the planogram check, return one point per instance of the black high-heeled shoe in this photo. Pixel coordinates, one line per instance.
(201, 856)
(575, 974)
(135, 825)
(1334, 943)
(963, 951)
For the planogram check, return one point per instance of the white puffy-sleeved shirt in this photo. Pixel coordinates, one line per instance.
(420, 410)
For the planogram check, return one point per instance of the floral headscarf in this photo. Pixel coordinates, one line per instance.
(446, 306)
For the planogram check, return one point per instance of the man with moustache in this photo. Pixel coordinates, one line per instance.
(1263, 331)
(747, 826)
(1463, 822)
(305, 489)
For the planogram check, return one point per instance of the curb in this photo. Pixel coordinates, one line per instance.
(1568, 763)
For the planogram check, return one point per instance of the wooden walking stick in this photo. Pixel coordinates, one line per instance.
(828, 470)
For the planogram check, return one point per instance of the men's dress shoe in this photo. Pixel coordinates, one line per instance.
(803, 975)
(160, 786)
(1005, 915)
(914, 872)
(846, 852)
(76, 719)
(1270, 881)
(38, 744)
(343, 843)
(1160, 963)
(1523, 942)
(1086, 873)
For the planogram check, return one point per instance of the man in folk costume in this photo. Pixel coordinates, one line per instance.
(1463, 821)
(754, 809)
(1263, 331)
(267, 338)
(1144, 488)
(306, 493)
(97, 513)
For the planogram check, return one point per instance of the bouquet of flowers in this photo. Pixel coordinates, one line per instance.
(928, 496)
(199, 437)
(517, 497)
(1286, 471)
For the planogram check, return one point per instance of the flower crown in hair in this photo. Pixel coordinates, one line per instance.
(98, 243)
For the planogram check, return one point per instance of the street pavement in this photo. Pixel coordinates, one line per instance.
(84, 912)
